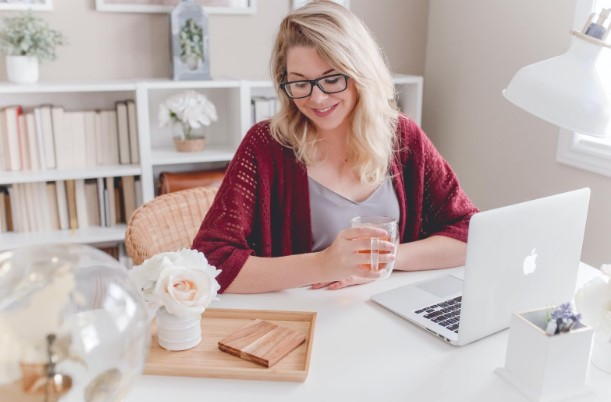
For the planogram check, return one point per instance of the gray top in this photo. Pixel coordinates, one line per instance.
(330, 212)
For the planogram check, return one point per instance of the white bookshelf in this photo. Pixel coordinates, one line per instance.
(232, 98)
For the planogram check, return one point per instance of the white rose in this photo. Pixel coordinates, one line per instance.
(185, 291)
(593, 301)
(146, 274)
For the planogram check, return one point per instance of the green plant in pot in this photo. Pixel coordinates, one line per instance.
(26, 40)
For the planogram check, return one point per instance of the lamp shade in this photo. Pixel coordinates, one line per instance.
(572, 90)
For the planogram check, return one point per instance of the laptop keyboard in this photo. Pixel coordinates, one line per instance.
(446, 314)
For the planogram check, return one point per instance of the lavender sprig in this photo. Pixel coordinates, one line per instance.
(562, 319)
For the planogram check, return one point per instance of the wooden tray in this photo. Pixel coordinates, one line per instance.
(206, 360)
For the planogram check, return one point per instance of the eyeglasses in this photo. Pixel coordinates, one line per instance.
(330, 84)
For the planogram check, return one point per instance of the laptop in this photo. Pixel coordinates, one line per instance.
(519, 257)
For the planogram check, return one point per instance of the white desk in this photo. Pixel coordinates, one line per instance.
(362, 352)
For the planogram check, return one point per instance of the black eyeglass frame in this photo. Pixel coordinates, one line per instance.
(314, 82)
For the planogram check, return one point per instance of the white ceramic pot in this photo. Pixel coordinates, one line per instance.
(175, 332)
(22, 69)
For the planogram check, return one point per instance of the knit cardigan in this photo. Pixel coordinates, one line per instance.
(263, 206)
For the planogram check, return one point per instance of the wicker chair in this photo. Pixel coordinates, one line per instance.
(167, 223)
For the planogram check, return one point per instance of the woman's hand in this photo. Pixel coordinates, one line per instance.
(349, 257)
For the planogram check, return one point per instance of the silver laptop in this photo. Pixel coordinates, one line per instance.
(519, 257)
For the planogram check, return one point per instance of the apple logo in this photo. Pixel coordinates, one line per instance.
(530, 263)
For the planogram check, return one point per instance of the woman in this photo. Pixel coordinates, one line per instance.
(337, 147)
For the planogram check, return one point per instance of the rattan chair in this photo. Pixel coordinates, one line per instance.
(167, 223)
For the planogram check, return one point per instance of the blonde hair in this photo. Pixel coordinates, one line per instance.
(343, 41)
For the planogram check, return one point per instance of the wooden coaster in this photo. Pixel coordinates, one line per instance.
(261, 342)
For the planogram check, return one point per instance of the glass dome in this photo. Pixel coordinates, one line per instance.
(73, 326)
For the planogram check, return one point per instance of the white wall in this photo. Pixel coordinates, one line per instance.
(128, 45)
(502, 154)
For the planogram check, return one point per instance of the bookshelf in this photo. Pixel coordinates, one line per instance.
(233, 99)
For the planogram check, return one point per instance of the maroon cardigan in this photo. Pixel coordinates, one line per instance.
(263, 206)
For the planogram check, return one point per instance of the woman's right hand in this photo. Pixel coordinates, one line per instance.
(349, 255)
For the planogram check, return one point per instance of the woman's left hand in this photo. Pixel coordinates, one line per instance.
(350, 281)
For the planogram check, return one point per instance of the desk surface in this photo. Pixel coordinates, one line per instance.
(363, 352)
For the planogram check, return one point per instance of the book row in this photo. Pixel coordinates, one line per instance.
(263, 107)
(68, 204)
(49, 137)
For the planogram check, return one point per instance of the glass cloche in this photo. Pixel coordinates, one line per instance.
(73, 326)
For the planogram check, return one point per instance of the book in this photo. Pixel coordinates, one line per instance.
(24, 144)
(62, 135)
(3, 209)
(90, 136)
(11, 116)
(109, 137)
(40, 140)
(110, 201)
(134, 144)
(30, 208)
(102, 202)
(100, 148)
(123, 133)
(52, 210)
(82, 216)
(46, 121)
(93, 202)
(30, 127)
(119, 207)
(17, 209)
(79, 139)
(62, 205)
(3, 143)
(71, 199)
(129, 196)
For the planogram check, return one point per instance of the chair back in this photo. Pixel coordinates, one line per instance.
(167, 223)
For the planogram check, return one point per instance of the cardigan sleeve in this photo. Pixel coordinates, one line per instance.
(226, 234)
(446, 210)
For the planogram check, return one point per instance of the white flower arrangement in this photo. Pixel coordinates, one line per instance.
(189, 108)
(182, 281)
(593, 301)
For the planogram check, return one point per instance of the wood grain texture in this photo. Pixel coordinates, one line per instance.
(206, 360)
(262, 342)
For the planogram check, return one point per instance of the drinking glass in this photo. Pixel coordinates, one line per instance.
(390, 225)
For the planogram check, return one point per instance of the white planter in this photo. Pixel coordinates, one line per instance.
(22, 69)
(546, 367)
(175, 332)
(601, 350)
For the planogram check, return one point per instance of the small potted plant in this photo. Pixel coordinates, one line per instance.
(188, 112)
(25, 40)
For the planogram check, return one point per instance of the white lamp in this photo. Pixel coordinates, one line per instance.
(572, 90)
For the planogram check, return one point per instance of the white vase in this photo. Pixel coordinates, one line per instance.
(22, 69)
(177, 332)
(601, 350)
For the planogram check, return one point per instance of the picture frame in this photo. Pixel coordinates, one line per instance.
(22, 5)
(299, 3)
(166, 6)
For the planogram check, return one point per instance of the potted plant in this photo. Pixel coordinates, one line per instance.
(188, 112)
(25, 40)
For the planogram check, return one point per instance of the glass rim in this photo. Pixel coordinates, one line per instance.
(373, 219)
